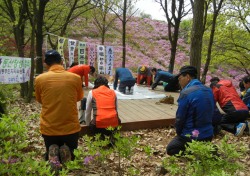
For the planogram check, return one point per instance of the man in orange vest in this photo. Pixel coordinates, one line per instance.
(103, 101)
(83, 70)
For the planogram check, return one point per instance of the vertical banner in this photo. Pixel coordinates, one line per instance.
(101, 59)
(110, 60)
(82, 53)
(72, 46)
(91, 55)
(14, 69)
(60, 44)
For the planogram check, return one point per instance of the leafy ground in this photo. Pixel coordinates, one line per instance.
(157, 139)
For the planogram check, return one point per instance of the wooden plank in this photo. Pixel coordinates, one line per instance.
(145, 113)
(129, 126)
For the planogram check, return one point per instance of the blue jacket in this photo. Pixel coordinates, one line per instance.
(162, 76)
(123, 74)
(246, 98)
(196, 106)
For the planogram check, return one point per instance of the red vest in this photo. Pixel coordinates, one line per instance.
(104, 107)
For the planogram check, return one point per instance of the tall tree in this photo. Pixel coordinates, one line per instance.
(216, 9)
(174, 13)
(32, 17)
(125, 7)
(15, 12)
(197, 34)
(103, 19)
(240, 12)
(68, 11)
(231, 45)
(39, 35)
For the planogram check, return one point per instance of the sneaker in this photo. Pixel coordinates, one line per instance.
(240, 129)
(65, 154)
(247, 127)
(54, 158)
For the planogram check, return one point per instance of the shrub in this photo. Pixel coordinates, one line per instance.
(14, 158)
(205, 158)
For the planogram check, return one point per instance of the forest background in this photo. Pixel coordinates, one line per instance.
(215, 39)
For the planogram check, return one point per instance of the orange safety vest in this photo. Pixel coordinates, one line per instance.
(104, 107)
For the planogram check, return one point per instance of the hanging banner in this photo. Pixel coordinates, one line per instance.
(72, 46)
(101, 59)
(14, 69)
(91, 55)
(82, 53)
(60, 44)
(109, 60)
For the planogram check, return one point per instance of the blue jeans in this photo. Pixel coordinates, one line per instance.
(124, 84)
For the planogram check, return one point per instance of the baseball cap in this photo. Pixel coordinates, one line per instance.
(52, 56)
(142, 69)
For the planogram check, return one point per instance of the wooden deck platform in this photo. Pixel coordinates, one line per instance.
(145, 113)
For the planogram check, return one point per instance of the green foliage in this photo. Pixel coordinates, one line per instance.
(14, 158)
(145, 15)
(99, 150)
(205, 158)
(7, 95)
(231, 39)
(185, 30)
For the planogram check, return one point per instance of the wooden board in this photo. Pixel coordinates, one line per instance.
(144, 113)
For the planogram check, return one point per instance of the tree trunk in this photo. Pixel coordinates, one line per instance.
(175, 35)
(39, 36)
(174, 46)
(211, 40)
(32, 55)
(124, 21)
(209, 50)
(197, 35)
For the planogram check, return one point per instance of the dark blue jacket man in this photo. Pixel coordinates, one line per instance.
(126, 79)
(170, 79)
(195, 111)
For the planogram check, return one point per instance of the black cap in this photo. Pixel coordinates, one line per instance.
(52, 56)
(191, 70)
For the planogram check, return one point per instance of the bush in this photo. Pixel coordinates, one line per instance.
(14, 158)
(205, 158)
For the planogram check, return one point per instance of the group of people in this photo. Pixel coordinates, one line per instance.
(152, 77)
(59, 90)
(198, 117)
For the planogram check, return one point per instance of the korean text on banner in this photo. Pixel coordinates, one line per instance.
(60, 44)
(91, 54)
(101, 59)
(82, 52)
(72, 46)
(14, 69)
(109, 60)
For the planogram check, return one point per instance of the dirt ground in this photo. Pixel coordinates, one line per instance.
(157, 139)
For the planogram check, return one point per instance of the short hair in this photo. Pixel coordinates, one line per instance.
(92, 69)
(74, 64)
(188, 69)
(153, 69)
(241, 86)
(214, 79)
(246, 79)
(52, 57)
(100, 81)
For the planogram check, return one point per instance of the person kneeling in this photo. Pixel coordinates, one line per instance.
(103, 101)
